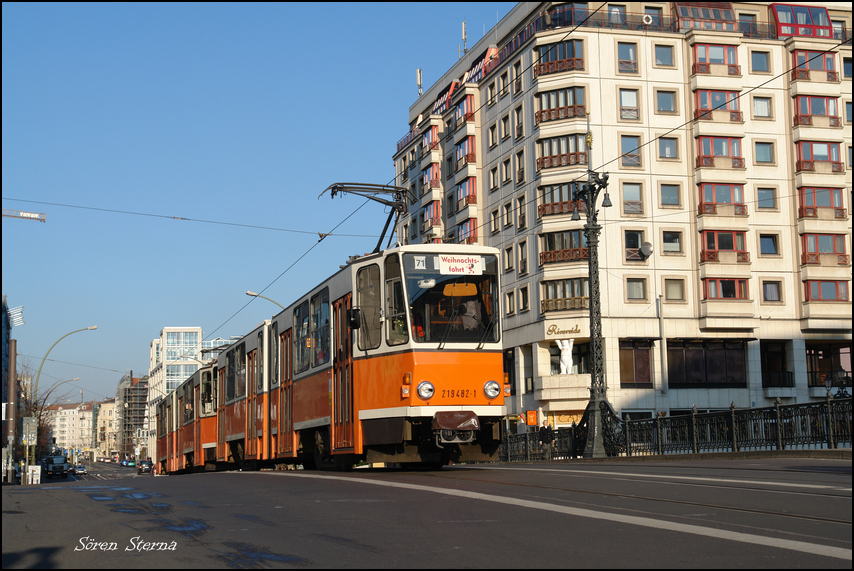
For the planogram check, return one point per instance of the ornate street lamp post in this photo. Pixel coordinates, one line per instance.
(589, 195)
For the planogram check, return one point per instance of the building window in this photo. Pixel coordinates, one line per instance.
(706, 364)
(672, 242)
(715, 288)
(630, 149)
(560, 104)
(667, 148)
(727, 147)
(563, 56)
(762, 107)
(559, 295)
(561, 151)
(801, 20)
(768, 245)
(635, 370)
(629, 104)
(632, 199)
(664, 55)
(636, 289)
(811, 152)
(665, 101)
(814, 245)
(674, 290)
(708, 101)
(723, 240)
(760, 62)
(814, 198)
(670, 195)
(706, 55)
(765, 153)
(510, 302)
(805, 61)
(771, 291)
(566, 246)
(808, 105)
(627, 58)
(766, 198)
(826, 290)
(712, 195)
(634, 239)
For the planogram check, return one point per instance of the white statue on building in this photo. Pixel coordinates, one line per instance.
(565, 346)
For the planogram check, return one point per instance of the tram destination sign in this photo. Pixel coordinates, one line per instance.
(460, 265)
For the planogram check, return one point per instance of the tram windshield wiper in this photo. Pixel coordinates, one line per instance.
(454, 315)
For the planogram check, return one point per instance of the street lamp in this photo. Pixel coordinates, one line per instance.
(253, 294)
(589, 194)
(36, 385)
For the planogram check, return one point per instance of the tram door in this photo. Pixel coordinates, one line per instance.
(286, 423)
(198, 455)
(251, 395)
(342, 377)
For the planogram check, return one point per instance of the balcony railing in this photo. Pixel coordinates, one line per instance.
(571, 64)
(568, 112)
(566, 159)
(466, 200)
(554, 208)
(705, 67)
(709, 161)
(833, 121)
(815, 258)
(564, 304)
(809, 165)
(712, 208)
(714, 256)
(464, 160)
(812, 212)
(569, 255)
(803, 73)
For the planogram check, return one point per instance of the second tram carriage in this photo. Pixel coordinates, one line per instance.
(395, 358)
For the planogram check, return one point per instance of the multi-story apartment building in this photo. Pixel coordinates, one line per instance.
(106, 434)
(71, 425)
(725, 129)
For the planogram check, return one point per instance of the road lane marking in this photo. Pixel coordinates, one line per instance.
(803, 547)
(690, 478)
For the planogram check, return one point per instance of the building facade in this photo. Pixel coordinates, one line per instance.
(725, 129)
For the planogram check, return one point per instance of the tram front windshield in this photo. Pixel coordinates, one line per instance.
(453, 298)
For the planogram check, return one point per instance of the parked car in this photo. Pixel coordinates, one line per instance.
(80, 470)
(130, 464)
(124, 462)
(145, 467)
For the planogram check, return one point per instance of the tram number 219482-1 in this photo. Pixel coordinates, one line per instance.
(459, 393)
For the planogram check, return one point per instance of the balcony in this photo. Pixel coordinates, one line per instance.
(820, 167)
(820, 259)
(725, 256)
(822, 213)
(804, 74)
(569, 255)
(564, 304)
(719, 115)
(722, 314)
(464, 160)
(429, 224)
(818, 120)
(722, 209)
(568, 112)
(557, 208)
(720, 162)
(571, 64)
(566, 159)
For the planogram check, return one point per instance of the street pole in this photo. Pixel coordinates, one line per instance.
(589, 194)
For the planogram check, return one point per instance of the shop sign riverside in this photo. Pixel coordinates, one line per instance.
(554, 330)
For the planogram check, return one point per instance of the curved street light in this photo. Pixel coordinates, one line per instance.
(36, 385)
(253, 294)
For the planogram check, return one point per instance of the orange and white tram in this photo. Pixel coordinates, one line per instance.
(395, 358)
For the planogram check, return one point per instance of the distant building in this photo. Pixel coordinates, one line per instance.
(725, 129)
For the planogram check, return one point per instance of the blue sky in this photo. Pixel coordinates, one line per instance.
(240, 114)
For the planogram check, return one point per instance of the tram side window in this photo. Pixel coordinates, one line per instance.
(320, 328)
(368, 286)
(274, 357)
(229, 376)
(302, 340)
(207, 394)
(396, 331)
(259, 364)
(240, 371)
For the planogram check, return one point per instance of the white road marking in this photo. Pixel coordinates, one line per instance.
(688, 478)
(823, 550)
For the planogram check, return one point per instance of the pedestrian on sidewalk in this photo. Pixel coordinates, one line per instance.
(547, 440)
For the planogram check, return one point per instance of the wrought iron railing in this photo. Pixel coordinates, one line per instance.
(815, 425)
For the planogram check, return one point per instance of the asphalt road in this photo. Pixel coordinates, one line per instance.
(778, 513)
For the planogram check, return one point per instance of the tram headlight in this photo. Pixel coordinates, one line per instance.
(426, 390)
(491, 389)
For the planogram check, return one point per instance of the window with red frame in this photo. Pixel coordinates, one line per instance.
(467, 232)
(714, 53)
(720, 147)
(466, 193)
(712, 100)
(794, 20)
(465, 152)
(814, 151)
(715, 288)
(821, 197)
(812, 105)
(824, 243)
(721, 193)
(715, 240)
(804, 61)
(826, 290)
